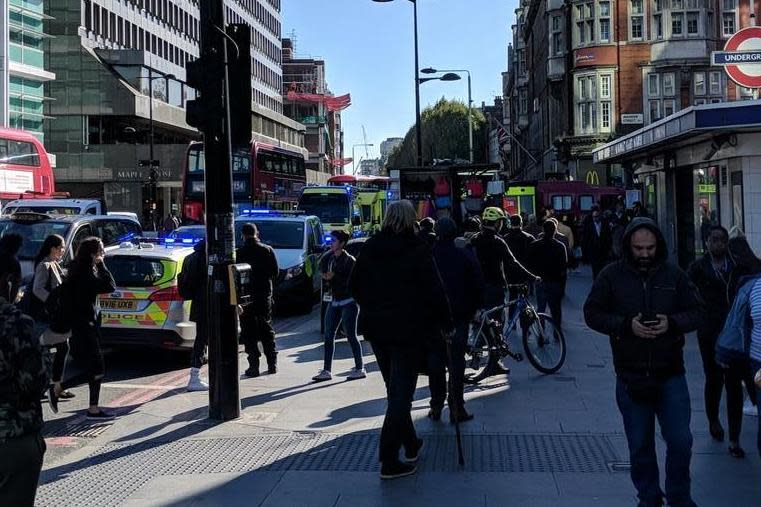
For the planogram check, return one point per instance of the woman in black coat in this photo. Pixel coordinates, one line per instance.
(401, 299)
(89, 277)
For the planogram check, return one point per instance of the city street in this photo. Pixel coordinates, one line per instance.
(536, 440)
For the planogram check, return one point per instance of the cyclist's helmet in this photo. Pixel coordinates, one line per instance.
(493, 214)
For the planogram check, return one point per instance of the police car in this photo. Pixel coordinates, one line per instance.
(35, 227)
(146, 309)
(299, 242)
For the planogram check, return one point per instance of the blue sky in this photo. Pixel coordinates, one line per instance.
(368, 52)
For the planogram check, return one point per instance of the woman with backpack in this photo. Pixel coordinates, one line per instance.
(48, 276)
(88, 277)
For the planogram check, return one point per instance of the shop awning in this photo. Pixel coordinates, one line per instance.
(691, 125)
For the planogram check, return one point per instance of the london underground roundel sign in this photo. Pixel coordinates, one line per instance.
(742, 57)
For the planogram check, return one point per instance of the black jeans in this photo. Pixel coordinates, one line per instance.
(255, 329)
(59, 361)
(199, 345)
(399, 367)
(457, 367)
(551, 293)
(718, 379)
(437, 371)
(20, 465)
(87, 354)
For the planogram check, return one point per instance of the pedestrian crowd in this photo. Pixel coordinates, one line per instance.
(645, 304)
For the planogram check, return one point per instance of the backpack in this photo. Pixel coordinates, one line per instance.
(733, 343)
(59, 308)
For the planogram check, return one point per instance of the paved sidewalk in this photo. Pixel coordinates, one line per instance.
(536, 440)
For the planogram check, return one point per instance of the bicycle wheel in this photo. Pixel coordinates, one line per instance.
(481, 355)
(544, 344)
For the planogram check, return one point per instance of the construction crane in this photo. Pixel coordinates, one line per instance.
(367, 146)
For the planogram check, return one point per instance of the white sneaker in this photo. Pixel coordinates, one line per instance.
(750, 409)
(355, 374)
(195, 383)
(322, 376)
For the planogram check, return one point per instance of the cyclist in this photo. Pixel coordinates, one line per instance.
(498, 263)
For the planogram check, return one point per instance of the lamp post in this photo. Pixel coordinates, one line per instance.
(153, 176)
(430, 70)
(353, 162)
(418, 131)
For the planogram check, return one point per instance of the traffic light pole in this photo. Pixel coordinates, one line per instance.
(222, 318)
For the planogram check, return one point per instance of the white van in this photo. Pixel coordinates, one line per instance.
(55, 207)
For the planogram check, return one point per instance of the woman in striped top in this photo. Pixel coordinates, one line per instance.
(755, 345)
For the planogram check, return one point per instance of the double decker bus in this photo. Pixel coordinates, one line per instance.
(25, 170)
(264, 176)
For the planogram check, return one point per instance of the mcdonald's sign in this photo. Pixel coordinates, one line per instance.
(593, 178)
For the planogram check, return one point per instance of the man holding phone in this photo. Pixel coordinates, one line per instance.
(646, 305)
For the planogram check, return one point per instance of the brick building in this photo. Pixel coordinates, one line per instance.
(583, 72)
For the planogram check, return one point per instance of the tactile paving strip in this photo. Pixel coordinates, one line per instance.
(111, 475)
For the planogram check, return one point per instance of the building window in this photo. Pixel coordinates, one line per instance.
(692, 23)
(668, 84)
(728, 17)
(699, 82)
(655, 110)
(604, 9)
(593, 103)
(677, 24)
(660, 93)
(711, 91)
(521, 62)
(636, 20)
(557, 35)
(653, 85)
(669, 107)
(523, 101)
(714, 83)
(744, 93)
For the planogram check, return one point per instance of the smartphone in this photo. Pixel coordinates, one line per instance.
(650, 321)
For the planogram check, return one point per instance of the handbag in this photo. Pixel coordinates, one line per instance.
(50, 337)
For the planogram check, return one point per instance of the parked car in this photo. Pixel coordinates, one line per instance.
(146, 309)
(55, 206)
(35, 227)
(299, 242)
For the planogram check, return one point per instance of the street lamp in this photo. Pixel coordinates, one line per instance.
(418, 132)
(151, 162)
(430, 70)
(353, 162)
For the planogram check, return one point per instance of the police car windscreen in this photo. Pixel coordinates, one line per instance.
(277, 233)
(331, 208)
(33, 233)
(132, 271)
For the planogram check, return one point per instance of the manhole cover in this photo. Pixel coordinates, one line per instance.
(81, 429)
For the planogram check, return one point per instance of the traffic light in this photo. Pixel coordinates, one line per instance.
(196, 110)
(239, 83)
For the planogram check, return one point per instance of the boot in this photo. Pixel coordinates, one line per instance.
(253, 367)
(195, 383)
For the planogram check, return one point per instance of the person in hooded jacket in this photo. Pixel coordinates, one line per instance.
(464, 286)
(646, 305)
(401, 299)
(426, 232)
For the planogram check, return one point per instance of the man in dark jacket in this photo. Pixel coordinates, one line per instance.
(256, 321)
(711, 274)
(426, 232)
(646, 305)
(464, 285)
(401, 299)
(549, 260)
(596, 241)
(10, 244)
(23, 379)
(192, 282)
(518, 240)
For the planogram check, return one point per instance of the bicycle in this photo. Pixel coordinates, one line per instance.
(489, 340)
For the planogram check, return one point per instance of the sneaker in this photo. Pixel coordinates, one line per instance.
(195, 384)
(750, 409)
(53, 399)
(412, 455)
(322, 376)
(100, 415)
(251, 372)
(396, 470)
(356, 373)
(272, 369)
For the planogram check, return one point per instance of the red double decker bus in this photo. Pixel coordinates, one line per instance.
(25, 170)
(264, 176)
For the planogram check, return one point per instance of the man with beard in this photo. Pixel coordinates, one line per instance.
(646, 305)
